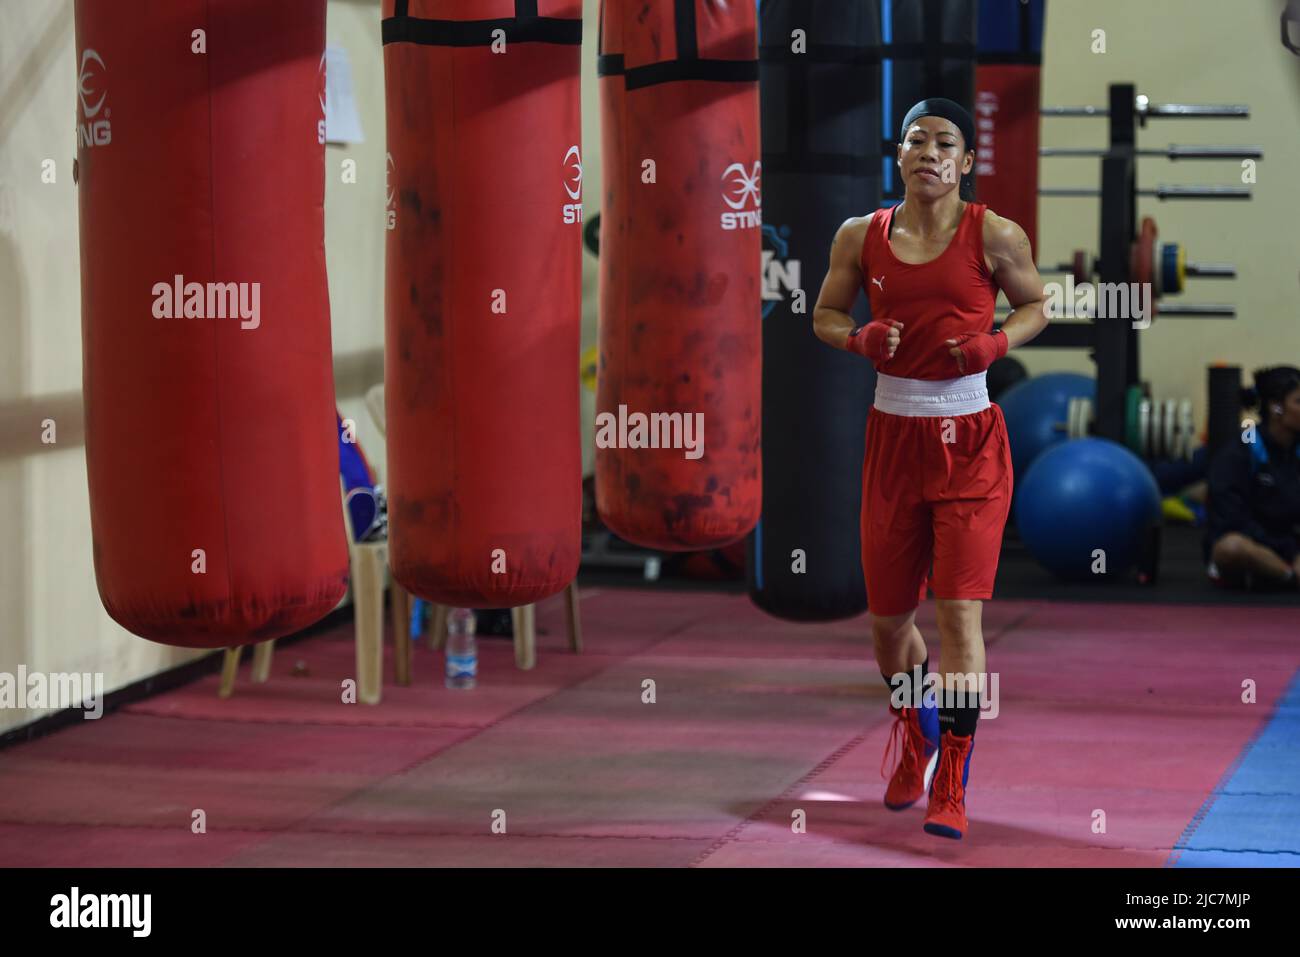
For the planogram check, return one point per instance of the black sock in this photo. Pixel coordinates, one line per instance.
(925, 669)
(960, 721)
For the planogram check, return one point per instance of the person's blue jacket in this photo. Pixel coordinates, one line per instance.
(1254, 489)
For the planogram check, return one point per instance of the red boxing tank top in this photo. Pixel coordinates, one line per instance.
(934, 301)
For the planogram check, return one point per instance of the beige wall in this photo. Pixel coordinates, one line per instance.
(1211, 52)
(50, 617)
(354, 224)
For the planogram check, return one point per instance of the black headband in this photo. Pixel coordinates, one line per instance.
(945, 109)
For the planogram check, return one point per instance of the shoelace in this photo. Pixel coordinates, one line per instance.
(905, 745)
(947, 778)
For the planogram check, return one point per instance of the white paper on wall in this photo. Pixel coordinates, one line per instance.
(342, 123)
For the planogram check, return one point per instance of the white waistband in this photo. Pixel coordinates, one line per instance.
(931, 397)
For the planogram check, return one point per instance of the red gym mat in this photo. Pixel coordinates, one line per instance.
(1133, 711)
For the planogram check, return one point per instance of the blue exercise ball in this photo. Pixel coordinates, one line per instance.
(1084, 495)
(1035, 408)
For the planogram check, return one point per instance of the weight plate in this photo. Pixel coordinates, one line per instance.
(1169, 422)
(1143, 260)
(1144, 428)
(1171, 270)
(1071, 413)
(1154, 450)
(1080, 412)
(1187, 424)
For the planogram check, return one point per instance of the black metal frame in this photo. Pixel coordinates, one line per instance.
(1115, 348)
(1113, 343)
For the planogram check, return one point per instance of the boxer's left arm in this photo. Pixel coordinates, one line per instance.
(1006, 247)
(1010, 259)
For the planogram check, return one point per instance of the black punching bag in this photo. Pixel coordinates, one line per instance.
(821, 164)
(930, 51)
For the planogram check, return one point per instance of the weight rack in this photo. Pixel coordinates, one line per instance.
(1114, 342)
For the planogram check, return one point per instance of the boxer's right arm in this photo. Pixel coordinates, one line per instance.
(831, 320)
(878, 340)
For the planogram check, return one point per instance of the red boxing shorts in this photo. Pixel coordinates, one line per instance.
(936, 490)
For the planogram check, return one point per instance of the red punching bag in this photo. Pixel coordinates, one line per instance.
(678, 400)
(211, 449)
(483, 298)
(1007, 108)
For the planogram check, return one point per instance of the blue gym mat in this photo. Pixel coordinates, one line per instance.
(1252, 819)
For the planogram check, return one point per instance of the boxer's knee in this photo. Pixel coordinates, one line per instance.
(960, 621)
(889, 631)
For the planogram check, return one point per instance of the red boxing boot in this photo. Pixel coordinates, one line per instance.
(946, 815)
(916, 752)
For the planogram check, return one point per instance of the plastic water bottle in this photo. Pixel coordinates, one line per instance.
(462, 650)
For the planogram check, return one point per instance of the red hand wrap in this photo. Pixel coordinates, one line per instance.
(869, 340)
(981, 350)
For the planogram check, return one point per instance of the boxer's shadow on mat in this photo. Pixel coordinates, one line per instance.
(869, 824)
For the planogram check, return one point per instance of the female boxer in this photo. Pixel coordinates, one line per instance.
(936, 481)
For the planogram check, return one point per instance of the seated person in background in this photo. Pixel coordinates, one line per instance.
(1253, 533)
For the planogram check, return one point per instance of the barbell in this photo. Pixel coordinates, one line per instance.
(1171, 152)
(1145, 109)
(1161, 192)
(1164, 265)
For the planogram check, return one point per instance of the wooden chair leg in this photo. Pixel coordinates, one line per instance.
(262, 660)
(438, 628)
(571, 614)
(523, 622)
(229, 668)
(400, 599)
(368, 607)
